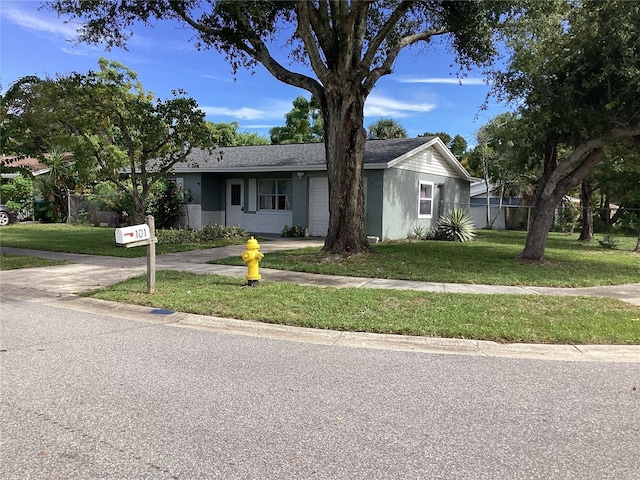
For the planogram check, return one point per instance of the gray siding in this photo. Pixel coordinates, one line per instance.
(429, 161)
(400, 205)
(213, 192)
(456, 194)
(192, 182)
(391, 191)
(374, 202)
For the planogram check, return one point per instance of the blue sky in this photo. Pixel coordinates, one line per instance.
(423, 94)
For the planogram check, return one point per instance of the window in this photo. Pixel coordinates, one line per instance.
(274, 194)
(236, 194)
(425, 200)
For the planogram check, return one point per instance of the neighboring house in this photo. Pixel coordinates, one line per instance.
(505, 213)
(479, 195)
(408, 182)
(10, 165)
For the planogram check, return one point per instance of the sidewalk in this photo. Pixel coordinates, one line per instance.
(93, 271)
(53, 285)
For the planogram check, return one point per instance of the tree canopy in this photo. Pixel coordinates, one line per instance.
(457, 144)
(341, 48)
(303, 124)
(574, 72)
(227, 135)
(386, 128)
(113, 127)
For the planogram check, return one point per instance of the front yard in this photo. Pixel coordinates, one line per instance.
(489, 259)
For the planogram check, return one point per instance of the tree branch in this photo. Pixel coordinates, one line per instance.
(255, 48)
(387, 66)
(384, 32)
(309, 18)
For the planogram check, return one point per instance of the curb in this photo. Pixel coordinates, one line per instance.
(403, 343)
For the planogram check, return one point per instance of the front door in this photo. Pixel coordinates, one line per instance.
(235, 201)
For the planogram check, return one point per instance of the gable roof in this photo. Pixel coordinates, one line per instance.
(307, 156)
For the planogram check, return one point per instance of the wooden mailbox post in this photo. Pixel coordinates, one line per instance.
(140, 235)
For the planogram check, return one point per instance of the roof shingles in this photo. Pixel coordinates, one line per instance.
(296, 156)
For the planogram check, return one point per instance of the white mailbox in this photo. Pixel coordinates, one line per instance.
(135, 233)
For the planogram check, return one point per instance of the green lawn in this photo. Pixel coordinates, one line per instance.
(14, 262)
(502, 318)
(489, 259)
(59, 237)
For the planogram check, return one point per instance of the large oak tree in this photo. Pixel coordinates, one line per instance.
(342, 48)
(575, 72)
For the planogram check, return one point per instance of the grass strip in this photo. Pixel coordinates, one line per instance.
(501, 318)
(58, 237)
(14, 262)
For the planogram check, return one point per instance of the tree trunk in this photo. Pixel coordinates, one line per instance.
(139, 198)
(586, 201)
(539, 226)
(558, 179)
(637, 249)
(138, 210)
(343, 110)
(605, 211)
(617, 214)
(486, 185)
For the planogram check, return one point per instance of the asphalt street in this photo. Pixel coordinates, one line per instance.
(87, 395)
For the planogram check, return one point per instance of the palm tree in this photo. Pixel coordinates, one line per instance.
(386, 128)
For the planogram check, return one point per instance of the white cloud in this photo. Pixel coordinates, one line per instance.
(379, 106)
(243, 113)
(51, 25)
(272, 109)
(443, 80)
(69, 30)
(218, 78)
(83, 51)
(376, 106)
(257, 126)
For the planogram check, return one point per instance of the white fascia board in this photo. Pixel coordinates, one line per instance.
(377, 166)
(40, 172)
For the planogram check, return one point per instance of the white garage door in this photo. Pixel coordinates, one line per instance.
(318, 206)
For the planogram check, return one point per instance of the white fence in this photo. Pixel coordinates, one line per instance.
(500, 217)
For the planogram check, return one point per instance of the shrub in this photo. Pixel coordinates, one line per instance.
(215, 231)
(176, 236)
(182, 236)
(420, 232)
(294, 231)
(608, 242)
(164, 203)
(456, 226)
(18, 194)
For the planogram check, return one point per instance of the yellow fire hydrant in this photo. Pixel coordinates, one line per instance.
(252, 257)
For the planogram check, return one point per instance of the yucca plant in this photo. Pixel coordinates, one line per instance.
(456, 226)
